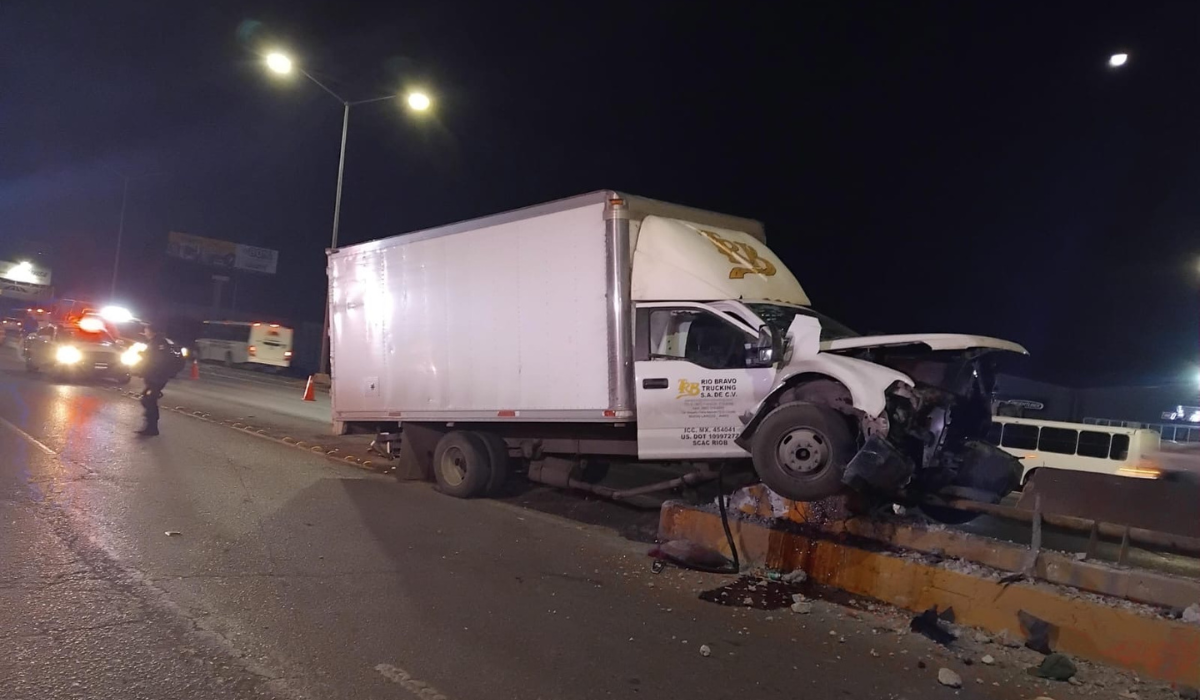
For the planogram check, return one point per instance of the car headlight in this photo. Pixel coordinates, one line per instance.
(131, 357)
(67, 355)
(183, 352)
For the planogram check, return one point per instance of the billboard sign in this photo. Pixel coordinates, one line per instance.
(24, 272)
(224, 254)
(256, 259)
(24, 292)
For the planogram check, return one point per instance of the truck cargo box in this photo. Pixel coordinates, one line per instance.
(515, 315)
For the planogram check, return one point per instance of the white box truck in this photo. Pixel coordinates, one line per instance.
(612, 327)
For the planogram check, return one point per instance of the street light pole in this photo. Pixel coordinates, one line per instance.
(333, 241)
(417, 101)
(112, 293)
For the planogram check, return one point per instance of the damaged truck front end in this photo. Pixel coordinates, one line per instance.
(897, 418)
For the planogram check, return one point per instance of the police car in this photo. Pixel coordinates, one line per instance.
(80, 349)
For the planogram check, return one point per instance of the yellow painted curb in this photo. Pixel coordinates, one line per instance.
(1088, 628)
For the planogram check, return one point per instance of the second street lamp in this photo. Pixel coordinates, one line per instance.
(282, 64)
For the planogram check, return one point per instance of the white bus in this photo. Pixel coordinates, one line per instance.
(1091, 448)
(239, 342)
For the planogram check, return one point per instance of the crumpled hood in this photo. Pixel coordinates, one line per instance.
(934, 341)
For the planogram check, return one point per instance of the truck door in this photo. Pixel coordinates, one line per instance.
(694, 390)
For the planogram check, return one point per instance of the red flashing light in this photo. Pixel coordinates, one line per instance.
(91, 324)
(287, 354)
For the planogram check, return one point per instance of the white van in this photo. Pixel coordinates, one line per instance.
(1078, 446)
(239, 342)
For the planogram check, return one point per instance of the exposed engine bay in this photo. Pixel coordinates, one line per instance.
(934, 440)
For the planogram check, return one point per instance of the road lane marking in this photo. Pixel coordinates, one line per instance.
(405, 680)
(29, 438)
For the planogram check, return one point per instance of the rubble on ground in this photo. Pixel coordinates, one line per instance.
(949, 678)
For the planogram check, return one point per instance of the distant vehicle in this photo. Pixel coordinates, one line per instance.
(608, 327)
(82, 349)
(241, 343)
(10, 329)
(1078, 446)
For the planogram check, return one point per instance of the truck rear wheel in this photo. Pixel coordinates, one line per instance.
(461, 465)
(497, 451)
(801, 450)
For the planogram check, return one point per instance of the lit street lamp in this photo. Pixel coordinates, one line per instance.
(282, 64)
(1118, 59)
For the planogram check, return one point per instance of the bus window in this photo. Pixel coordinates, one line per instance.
(1058, 440)
(993, 435)
(1021, 437)
(1094, 444)
(1120, 447)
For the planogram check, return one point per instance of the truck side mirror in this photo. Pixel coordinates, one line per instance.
(765, 349)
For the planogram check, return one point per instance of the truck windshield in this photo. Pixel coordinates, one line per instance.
(780, 318)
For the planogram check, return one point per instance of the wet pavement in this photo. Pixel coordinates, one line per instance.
(289, 575)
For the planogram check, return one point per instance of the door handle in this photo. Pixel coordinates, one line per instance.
(657, 383)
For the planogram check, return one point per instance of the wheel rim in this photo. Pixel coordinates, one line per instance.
(803, 451)
(453, 466)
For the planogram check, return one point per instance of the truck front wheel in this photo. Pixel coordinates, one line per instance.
(801, 449)
(462, 465)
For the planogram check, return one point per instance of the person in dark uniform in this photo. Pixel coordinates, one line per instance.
(159, 364)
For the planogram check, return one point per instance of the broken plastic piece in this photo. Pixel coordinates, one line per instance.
(930, 624)
(1039, 634)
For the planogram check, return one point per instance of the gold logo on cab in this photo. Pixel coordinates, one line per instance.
(687, 389)
(743, 256)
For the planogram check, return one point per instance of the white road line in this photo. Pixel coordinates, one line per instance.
(29, 438)
(405, 680)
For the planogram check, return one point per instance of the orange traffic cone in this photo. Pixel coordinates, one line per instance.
(195, 369)
(308, 390)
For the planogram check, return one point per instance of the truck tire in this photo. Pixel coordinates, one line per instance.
(497, 451)
(461, 465)
(801, 450)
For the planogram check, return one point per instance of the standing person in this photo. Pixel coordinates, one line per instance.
(159, 364)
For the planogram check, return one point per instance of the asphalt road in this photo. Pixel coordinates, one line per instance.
(288, 575)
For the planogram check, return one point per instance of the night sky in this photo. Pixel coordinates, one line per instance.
(961, 166)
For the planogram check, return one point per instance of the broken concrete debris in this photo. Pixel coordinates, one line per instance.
(949, 678)
(797, 576)
(705, 650)
(1055, 667)
(1007, 640)
(988, 660)
(1191, 614)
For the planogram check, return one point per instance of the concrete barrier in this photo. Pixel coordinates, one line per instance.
(1125, 635)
